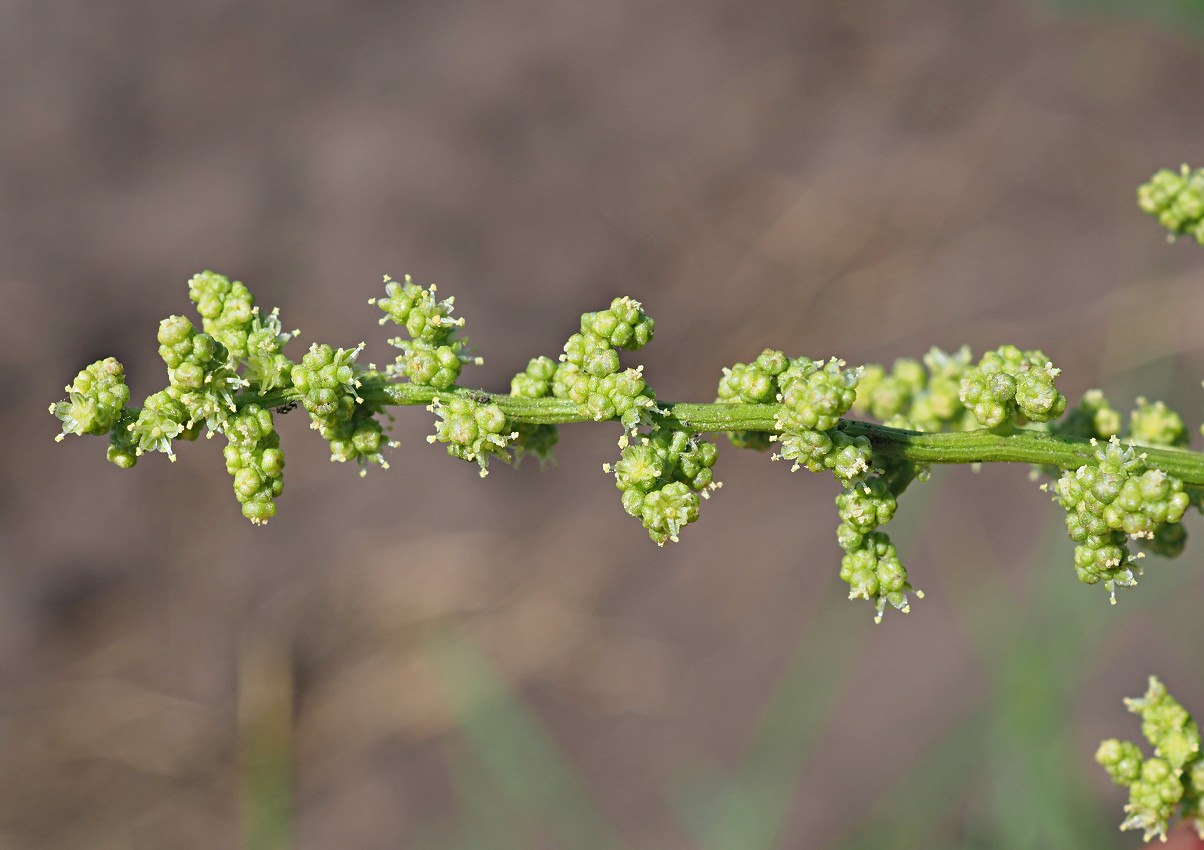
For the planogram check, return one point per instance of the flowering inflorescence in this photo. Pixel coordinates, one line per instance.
(1116, 498)
(1170, 781)
(226, 377)
(662, 477)
(1117, 482)
(1176, 199)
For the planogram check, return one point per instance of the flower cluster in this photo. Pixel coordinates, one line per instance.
(589, 372)
(1008, 383)
(329, 382)
(1176, 199)
(161, 420)
(254, 458)
(871, 564)
(95, 399)
(197, 373)
(434, 354)
(1093, 418)
(474, 431)
(227, 310)
(1172, 779)
(753, 383)
(1108, 501)
(225, 377)
(267, 367)
(918, 396)
(813, 397)
(661, 477)
(535, 382)
(1155, 424)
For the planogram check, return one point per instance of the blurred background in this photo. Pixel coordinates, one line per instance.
(422, 659)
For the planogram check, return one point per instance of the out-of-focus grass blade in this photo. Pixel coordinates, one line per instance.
(516, 753)
(1175, 13)
(265, 719)
(486, 822)
(906, 816)
(749, 811)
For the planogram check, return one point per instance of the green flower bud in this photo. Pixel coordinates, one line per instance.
(756, 382)
(267, 367)
(805, 448)
(874, 572)
(1176, 199)
(815, 397)
(430, 366)
(417, 310)
(664, 511)
(161, 420)
(254, 459)
(536, 380)
(589, 370)
(623, 395)
(753, 383)
(866, 505)
(1117, 496)
(1122, 760)
(661, 477)
(1172, 778)
(1009, 382)
(123, 445)
(1093, 417)
(356, 437)
(1166, 724)
(95, 399)
(199, 372)
(850, 458)
(918, 396)
(433, 356)
(325, 376)
(1155, 424)
(625, 325)
(473, 431)
(227, 311)
(640, 467)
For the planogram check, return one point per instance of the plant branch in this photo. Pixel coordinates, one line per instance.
(948, 447)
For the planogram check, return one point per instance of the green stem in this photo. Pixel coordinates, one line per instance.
(983, 446)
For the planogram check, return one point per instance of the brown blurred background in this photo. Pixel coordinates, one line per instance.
(423, 659)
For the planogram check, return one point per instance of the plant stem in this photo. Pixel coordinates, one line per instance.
(981, 446)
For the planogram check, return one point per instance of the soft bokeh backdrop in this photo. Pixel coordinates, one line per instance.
(423, 659)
